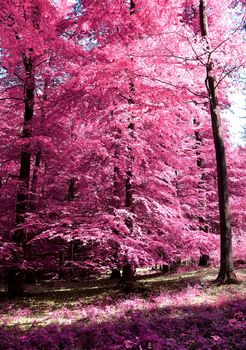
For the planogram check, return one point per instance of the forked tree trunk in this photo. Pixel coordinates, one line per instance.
(226, 273)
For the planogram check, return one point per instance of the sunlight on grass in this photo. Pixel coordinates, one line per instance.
(101, 303)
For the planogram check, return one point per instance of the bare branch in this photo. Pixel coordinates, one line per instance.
(173, 85)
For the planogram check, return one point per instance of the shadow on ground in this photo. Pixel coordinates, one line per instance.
(170, 328)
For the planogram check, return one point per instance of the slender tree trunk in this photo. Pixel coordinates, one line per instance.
(130, 160)
(25, 162)
(61, 273)
(201, 165)
(117, 177)
(226, 273)
(15, 283)
(71, 189)
(38, 156)
(128, 271)
(35, 179)
(14, 275)
(71, 197)
(132, 7)
(71, 258)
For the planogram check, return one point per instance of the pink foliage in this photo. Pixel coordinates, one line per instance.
(119, 92)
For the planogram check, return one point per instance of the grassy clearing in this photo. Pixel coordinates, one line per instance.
(100, 299)
(181, 311)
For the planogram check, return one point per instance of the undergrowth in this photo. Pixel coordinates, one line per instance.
(175, 311)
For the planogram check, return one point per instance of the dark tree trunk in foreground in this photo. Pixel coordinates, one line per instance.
(115, 274)
(226, 273)
(14, 283)
(128, 273)
(25, 162)
(14, 278)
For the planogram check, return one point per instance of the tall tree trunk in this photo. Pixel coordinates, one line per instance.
(128, 271)
(38, 156)
(201, 165)
(25, 162)
(117, 176)
(130, 160)
(35, 179)
(226, 273)
(14, 284)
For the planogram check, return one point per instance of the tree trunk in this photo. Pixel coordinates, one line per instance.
(33, 195)
(204, 260)
(71, 257)
(117, 176)
(132, 7)
(35, 179)
(226, 273)
(61, 273)
(130, 160)
(14, 283)
(25, 162)
(128, 273)
(71, 189)
(14, 276)
(201, 165)
(115, 274)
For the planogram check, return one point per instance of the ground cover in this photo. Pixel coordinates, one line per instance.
(175, 311)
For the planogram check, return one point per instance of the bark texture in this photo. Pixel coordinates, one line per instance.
(128, 273)
(25, 159)
(14, 278)
(226, 273)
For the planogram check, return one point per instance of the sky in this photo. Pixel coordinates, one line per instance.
(237, 117)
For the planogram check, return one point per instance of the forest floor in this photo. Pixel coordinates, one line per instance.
(180, 311)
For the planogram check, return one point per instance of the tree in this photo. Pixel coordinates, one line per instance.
(26, 52)
(226, 273)
(113, 158)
